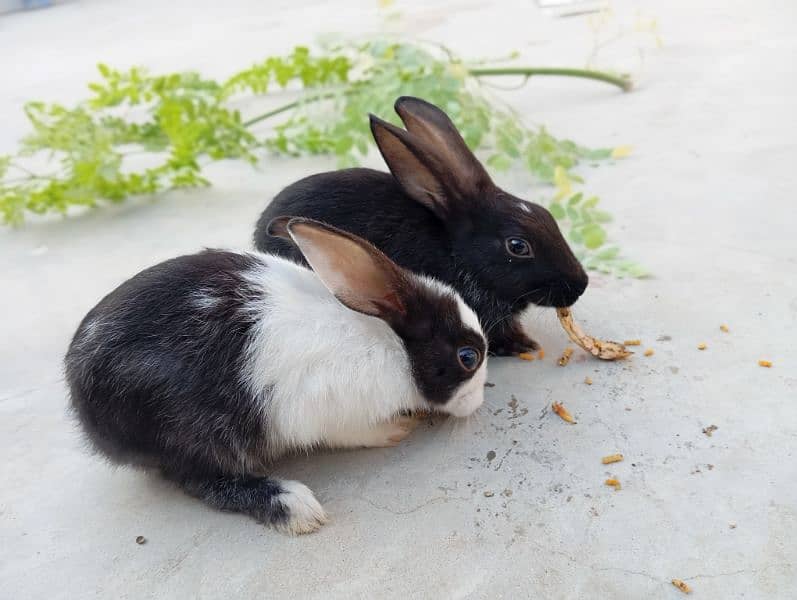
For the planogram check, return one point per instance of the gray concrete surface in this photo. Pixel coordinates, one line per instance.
(707, 201)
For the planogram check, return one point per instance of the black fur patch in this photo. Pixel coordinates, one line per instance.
(154, 372)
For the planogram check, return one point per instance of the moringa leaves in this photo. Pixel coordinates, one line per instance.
(178, 122)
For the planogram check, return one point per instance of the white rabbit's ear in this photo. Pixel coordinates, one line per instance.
(359, 275)
(278, 227)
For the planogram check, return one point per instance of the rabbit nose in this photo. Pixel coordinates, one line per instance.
(580, 284)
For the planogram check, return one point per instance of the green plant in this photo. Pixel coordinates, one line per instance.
(139, 133)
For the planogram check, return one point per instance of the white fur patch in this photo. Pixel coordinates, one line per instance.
(305, 513)
(469, 317)
(89, 330)
(470, 394)
(319, 368)
(203, 300)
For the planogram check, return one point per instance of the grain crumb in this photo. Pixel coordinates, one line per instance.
(565, 358)
(141, 540)
(541, 354)
(562, 412)
(765, 363)
(612, 458)
(525, 356)
(612, 482)
(489, 494)
(649, 352)
(709, 431)
(702, 346)
(632, 343)
(682, 585)
(588, 381)
(724, 328)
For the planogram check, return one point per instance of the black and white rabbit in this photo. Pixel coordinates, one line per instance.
(208, 366)
(440, 214)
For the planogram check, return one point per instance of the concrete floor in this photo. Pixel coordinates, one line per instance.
(512, 503)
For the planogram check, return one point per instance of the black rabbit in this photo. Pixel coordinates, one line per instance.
(440, 214)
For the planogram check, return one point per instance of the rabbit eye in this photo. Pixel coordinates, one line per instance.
(519, 247)
(468, 358)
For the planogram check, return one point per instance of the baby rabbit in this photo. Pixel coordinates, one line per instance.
(209, 366)
(440, 214)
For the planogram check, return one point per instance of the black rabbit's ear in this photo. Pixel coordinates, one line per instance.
(412, 165)
(431, 125)
(359, 275)
(424, 172)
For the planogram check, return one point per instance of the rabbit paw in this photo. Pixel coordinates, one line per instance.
(511, 342)
(383, 435)
(390, 433)
(303, 513)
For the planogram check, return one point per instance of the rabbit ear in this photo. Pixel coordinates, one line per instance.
(413, 165)
(278, 227)
(431, 125)
(359, 275)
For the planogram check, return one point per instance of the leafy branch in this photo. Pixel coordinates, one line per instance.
(141, 134)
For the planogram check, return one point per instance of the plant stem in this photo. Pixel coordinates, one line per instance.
(287, 107)
(624, 83)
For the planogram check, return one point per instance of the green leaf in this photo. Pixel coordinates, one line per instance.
(499, 162)
(594, 235)
(575, 199)
(575, 236)
(601, 216)
(608, 253)
(573, 214)
(557, 210)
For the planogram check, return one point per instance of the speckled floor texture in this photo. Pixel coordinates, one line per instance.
(511, 503)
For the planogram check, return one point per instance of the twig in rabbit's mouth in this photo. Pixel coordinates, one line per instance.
(604, 350)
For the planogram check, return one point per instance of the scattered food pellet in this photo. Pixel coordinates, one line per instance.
(565, 358)
(702, 346)
(632, 343)
(141, 540)
(488, 384)
(612, 458)
(724, 328)
(491, 455)
(541, 354)
(732, 525)
(709, 431)
(489, 494)
(588, 381)
(682, 585)
(649, 352)
(525, 356)
(562, 412)
(612, 482)
(765, 363)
